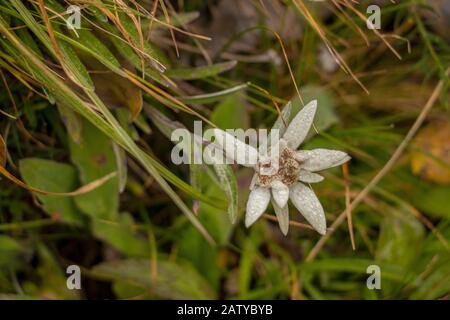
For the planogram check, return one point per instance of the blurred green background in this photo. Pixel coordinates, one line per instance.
(76, 106)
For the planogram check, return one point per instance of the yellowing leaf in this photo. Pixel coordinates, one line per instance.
(117, 91)
(432, 159)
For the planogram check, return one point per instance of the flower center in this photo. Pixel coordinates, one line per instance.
(286, 169)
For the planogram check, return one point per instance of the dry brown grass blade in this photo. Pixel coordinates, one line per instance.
(160, 95)
(149, 15)
(115, 131)
(271, 97)
(137, 24)
(116, 21)
(348, 210)
(291, 222)
(131, 44)
(289, 66)
(286, 59)
(187, 33)
(431, 227)
(152, 18)
(197, 43)
(127, 37)
(363, 18)
(339, 60)
(172, 34)
(386, 168)
(58, 53)
(3, 152)
(82, 190)
(347, 18)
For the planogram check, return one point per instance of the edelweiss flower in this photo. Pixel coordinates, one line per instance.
(283, 172)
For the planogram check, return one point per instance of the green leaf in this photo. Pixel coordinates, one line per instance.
(166, 126)
(127, 52)
(193, 248)
(200, 72)
(72, 121)
(95, 158)
(105, 122)
(231, 113)
(173, 281)
(431, 198)
(215, 220)
(437, 284)
(248, 259)
(29, 41)
(53, 278)
(400, 239)
(227, 180)
(27, 18)
(88, 40)
(325, 115)
(10, 251)
(120, 234)
(391, 272)
(70, 59)
(152, 55)
(228, 183)
(121, 162)
(54, 177)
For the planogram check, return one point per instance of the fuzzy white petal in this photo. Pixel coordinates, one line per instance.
(257, 203)
(253, 182)
(305, 200)
(300, 125)
(235, 149)
(282, 216)
(309, 177)
(280, 192)
(283, 118)
(320, 159)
